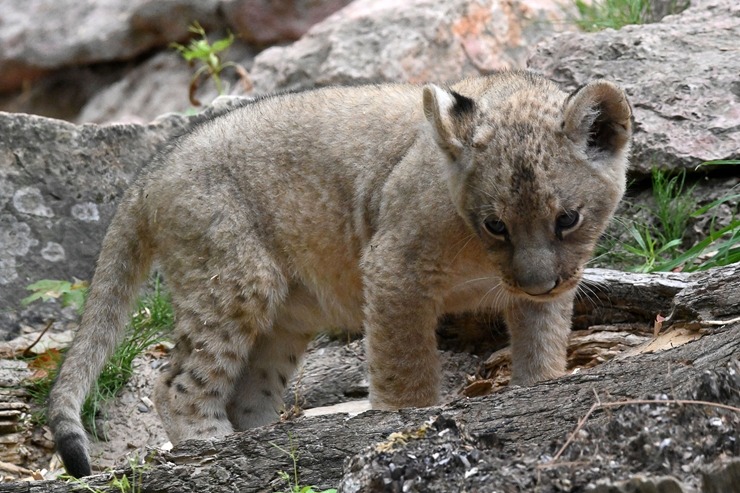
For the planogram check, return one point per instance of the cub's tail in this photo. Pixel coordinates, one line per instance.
(124, 263)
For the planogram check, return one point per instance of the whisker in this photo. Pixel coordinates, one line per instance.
(494, 290)
(585, 292)
(473, 280)
(598, 284)
(469, 239)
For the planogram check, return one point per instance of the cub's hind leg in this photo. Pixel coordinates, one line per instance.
(258, 396)
(224, 299)
(205, 363)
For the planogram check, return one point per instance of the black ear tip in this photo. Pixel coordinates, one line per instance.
(73, 452)
(462, 104)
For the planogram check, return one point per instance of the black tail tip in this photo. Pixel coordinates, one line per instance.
(73, 451)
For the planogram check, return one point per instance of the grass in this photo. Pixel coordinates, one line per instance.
(150, 322)
(596, 15)
(602, 14)
(658, 243)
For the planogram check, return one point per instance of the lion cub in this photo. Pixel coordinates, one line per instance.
(379, 207)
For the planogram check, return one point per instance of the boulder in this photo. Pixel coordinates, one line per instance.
(59, 186)
(680, 75)
(412, 41)
(39, 36)
(268, 22)
(158, 86)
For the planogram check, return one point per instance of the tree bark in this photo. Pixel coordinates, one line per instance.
(518, 429)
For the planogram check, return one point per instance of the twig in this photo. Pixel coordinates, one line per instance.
(606, 405)
(27, 351)
(720, 322)
(13, 469)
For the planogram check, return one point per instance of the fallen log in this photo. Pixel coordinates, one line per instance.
(673, 413)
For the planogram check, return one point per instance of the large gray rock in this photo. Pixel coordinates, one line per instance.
(59, 185)
(157, 86)
(37, 36)
(681, 75)
(268, 22)
(415, 40)
(160, 85)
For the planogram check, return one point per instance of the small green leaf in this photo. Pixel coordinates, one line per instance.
(222, 44)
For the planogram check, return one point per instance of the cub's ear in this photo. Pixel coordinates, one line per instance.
(598, 117)
(450, 115)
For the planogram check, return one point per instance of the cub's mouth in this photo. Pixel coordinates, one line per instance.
(559, 288)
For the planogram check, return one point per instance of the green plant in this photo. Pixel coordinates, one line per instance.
(602, 14)
(721, 247)
(151, 320)
(656, 244)
(674, 205)
(209, 55)
(660, 237)
(294, 483)
(648, 247)
(120, 484)
(69, 293)
(595, 15)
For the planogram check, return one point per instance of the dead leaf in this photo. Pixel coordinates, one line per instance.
(45, 364)
(677, 336)
(659, 319)
(478, 388)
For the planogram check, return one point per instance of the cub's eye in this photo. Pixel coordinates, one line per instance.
(495, 226)
(567, 220)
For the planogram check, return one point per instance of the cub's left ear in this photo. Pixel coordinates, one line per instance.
(598, 117)
(450, 115)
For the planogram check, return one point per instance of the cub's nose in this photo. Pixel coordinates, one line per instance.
(536, 287)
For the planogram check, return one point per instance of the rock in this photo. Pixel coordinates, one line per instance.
(661, 8)
(264, 22)
(680, 75)
(61, 94)
(59, 185)
(159, 85)
(418, 40)
(39, 36)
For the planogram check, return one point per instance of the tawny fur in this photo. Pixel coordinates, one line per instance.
(376, 208)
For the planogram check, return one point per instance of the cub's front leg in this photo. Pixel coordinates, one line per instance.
(400, 334)
(539, 338)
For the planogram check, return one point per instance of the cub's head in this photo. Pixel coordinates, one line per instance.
(535, 173)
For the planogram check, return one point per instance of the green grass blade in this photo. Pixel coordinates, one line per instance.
(714, 204)
(701, 247)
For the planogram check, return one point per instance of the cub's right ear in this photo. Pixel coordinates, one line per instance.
(598, 117)
(450, 115)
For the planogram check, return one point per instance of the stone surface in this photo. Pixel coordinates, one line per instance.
(416, 41)
(38, 36)
(156, 86)
(59, 185)
(160, 85)
(680, 75)
(268, 22)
